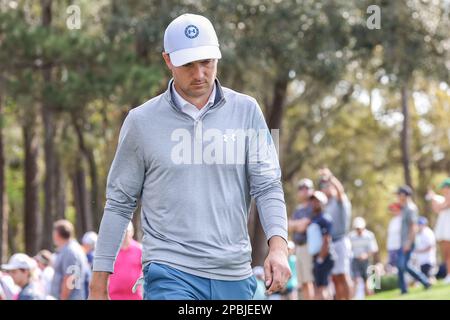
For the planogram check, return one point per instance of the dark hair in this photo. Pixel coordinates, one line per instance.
(64, 228)
(406, 190)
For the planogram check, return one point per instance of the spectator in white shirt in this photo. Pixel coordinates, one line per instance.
(425, 247)
(393, 242)
(364, 245)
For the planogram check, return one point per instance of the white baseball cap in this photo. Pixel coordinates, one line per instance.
(89, 238)
(319, 195)
(191, 37)
(307, 183)
(19, 261)
(359, 223)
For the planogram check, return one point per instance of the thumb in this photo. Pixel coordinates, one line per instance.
(268, 274)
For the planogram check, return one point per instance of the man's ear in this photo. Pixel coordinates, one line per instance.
(166, 58)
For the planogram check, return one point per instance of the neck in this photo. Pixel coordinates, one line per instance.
(63, 243)
(199, 102)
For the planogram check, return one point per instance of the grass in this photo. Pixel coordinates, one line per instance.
(439, 291)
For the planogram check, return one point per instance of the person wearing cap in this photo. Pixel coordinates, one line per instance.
(88, 242)
(298, 225)
(425, 248)
(176, 154)
(409, 214)
(339, 209)
(71, 266)
(364, 246)
(320, 244)
(8, 289)
(393, 241)
(21, 267)
(44, 260)
(441, 205)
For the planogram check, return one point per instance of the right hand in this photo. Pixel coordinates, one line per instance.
(98, 288)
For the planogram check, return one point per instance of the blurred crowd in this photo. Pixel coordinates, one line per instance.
(335, 256)
(65, 274)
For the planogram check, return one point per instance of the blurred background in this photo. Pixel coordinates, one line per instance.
(367, 96)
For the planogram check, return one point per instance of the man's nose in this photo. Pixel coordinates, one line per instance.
(198, 71)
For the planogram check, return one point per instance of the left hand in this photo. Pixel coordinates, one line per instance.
(276, 266)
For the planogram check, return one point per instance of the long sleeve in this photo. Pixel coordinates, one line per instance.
(264, 176)
(123, 190)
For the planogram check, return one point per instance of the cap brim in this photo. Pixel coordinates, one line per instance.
(8, 267)
(184, 56)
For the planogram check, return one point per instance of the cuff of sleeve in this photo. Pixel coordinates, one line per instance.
(103, 265)
(277, 231)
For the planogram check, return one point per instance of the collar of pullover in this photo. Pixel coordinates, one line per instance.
(218, 100)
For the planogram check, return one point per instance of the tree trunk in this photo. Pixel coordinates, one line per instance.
(3, 212)
(81, 200)
(12, 241)
(96, 200)
(49, 146)
(60, 188)
(257, 237)
(405, 138)
(32, 212)
(276, 109)
(96, 205)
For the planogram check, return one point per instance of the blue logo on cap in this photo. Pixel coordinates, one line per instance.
(191, 31)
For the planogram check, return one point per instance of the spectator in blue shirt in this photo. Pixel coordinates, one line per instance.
(298, 224)
(319, 245)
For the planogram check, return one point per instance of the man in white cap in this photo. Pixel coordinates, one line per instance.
(298, 224)
(88, 243)
(20, 267)
(177, 154)
(364, 246)
(320, 244)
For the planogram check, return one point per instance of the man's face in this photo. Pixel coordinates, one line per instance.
(402, 198)
(19, 276)
(316, 205)
(57, 240)
(304, 193)
(194, 79)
